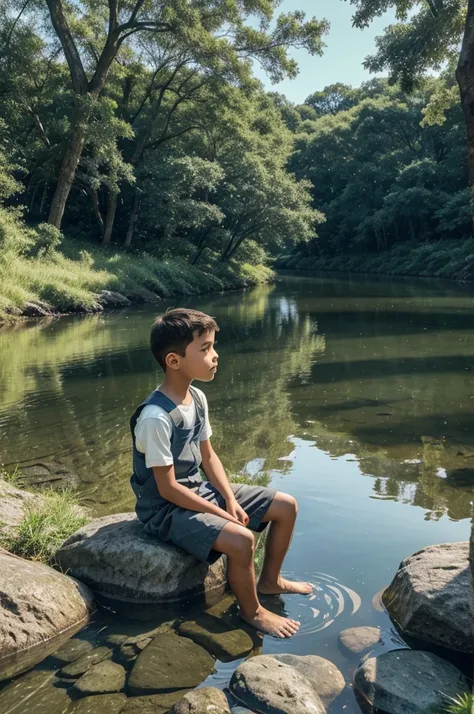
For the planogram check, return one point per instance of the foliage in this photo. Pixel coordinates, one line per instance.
(463, 704)
(45, 526)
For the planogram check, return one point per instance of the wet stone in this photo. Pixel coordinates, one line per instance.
(221, 640)
(170, 662)
(80, 666)
(268, 686)
(154, 703)
(326, 680)
(357, 640)
(100, 704)
(135, 631)
(207, 699)
(407, 682)
(103, 678)
(71, 651)
(34, 693)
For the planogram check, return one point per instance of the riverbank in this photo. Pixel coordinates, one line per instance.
(41, 274)
(447, 259)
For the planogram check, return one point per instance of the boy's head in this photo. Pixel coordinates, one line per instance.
(183, 340)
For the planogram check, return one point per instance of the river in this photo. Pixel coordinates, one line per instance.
(354, 395)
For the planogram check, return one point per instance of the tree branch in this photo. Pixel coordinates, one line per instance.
(73, 59)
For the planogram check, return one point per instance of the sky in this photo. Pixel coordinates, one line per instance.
(346, 49)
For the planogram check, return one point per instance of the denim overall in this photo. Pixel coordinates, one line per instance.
(186, 456)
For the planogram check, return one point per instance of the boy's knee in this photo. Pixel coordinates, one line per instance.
(290, 503)
(243, 544)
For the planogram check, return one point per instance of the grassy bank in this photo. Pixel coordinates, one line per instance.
(447, 259)
(40, 266)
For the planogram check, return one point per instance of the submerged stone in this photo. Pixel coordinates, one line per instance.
(268, 686)
(103, 678)
(154, 703)
(221, 640)
(326, 679)
(116, 558)
(170, 662)
(71, 651)
(408, 682)
(207, 700)
(41, 609)
(34, 693)
(100, 704)
(80, 666)
(359, 639)
(430, 597)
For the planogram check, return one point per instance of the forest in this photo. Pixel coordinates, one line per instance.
(139, 153)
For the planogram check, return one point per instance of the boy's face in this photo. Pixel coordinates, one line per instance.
(200, 360)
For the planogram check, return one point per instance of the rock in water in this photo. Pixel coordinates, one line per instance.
(221, 640)
(109, 298)
(170, 662)
(207, 700)
(359, 639)
(430, 596)
(116, 559)
(325, 677)
(40, 610)
(88, 660)
(153, 703)
(100, 704)
(408, 682)
(265, 685)
(104, 678)
(35, 693)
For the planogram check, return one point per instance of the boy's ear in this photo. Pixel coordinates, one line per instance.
(172, 360)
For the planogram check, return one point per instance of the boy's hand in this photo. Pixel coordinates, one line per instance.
(233, 509)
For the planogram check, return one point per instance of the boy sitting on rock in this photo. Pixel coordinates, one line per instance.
(171, 441)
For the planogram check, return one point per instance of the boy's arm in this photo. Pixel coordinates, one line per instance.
(216, 474)
(183, 497)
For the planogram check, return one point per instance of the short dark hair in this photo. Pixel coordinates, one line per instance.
(174, 331)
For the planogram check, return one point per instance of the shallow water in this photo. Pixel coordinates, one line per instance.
(355, 395)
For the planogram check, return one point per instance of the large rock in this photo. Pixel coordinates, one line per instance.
(270, 687)
(116, 559)
(207, 700)
(39, 610)
(430, 596)
(408, 682)
(99, 704)
(169, 662)
(326, 679)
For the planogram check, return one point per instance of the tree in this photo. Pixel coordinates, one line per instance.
(217, 29)
(428, 35)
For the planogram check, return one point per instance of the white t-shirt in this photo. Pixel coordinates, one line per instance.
(154, 428)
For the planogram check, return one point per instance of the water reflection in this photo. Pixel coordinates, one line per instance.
(380, 371)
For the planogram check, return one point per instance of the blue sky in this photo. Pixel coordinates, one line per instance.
(343, 56)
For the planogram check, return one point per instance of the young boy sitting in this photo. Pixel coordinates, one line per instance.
(171, 441)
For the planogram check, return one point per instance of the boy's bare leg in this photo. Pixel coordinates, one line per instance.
(282, 514)
(238, 543)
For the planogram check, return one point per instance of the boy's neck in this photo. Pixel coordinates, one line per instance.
(175, 386)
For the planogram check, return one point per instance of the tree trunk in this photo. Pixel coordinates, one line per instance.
(43, 198)
(70, 162)
(110, 218)
(465, 78)
(132, 222)
(95, 206)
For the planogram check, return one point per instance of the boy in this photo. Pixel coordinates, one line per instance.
(171, 440)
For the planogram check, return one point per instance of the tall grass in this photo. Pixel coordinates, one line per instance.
(45, 525)
(69, 276)
(463, 704)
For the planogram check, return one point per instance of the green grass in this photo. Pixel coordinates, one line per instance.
(13, 478)
(463, 704)
(450, 259)
(45, 526)
(69, 276)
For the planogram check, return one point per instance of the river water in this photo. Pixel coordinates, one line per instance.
(354, 395)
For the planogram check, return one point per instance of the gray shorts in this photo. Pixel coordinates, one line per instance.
(196, 532)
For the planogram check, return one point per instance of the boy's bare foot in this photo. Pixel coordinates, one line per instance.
(283, 587)
(271, 624)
